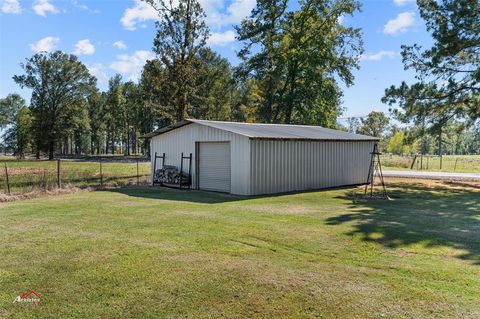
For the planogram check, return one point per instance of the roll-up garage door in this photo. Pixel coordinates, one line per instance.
(214, 166)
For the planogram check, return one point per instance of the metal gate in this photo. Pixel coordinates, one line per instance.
(214, 166)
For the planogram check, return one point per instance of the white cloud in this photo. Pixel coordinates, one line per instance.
(42, 7)
(47, 44)
(84, 47)
(131, 65)
(400, 24)
(216, 13)
(233, 14)
(341, 19)
(11, 6)
(120, 45)
(378, 56)
(98, 70)
(82, 6)
(402, 3)
(238, 10)
(142, 11)
(221, 38)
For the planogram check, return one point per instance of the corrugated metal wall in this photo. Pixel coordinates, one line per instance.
(283, 166)
(183, 139)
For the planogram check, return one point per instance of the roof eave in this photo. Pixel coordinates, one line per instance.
(166, 129)
(373, 139)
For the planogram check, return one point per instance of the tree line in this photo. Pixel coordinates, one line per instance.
(399, 140)
(292, 63)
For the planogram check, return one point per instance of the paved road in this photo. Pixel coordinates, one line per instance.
(433, 175)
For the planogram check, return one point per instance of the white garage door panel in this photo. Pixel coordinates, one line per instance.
(215, 166)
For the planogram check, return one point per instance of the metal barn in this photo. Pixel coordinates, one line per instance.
(255, 159)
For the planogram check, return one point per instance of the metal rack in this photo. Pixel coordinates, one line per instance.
(155, 167)
(170, 176)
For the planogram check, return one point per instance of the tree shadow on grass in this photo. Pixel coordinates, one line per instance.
(431, 217)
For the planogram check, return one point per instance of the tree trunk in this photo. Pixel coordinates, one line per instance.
(134, 142)
(107, 138)
(127, 145)
(113, 145)
(50, 150)
(290, 105)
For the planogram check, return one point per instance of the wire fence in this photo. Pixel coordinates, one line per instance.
(447, 163)
(25, 176)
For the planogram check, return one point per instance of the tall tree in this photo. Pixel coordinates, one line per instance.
(216, 87)
(375, 124)
(318, 51)
(156, 93)
(298, 58)
(114, 113)
(21, 132)
(448, 73)
(9, 106)
(139, 118)
(395, 143)
(353, 124)
(60, 84)
(181, 34)
(261, 55)
(98, 127)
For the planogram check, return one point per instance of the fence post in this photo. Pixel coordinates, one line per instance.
(6, 175)
(138, 177)
(455, 168)
(44, 179)
(413, 162)
(101, 173)
(441, 160)
(59, 182)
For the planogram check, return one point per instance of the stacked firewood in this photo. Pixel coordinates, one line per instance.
(169, 175)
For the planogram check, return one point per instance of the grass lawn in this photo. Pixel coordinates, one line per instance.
(160, 253)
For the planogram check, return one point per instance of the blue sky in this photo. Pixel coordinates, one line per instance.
(115, 36)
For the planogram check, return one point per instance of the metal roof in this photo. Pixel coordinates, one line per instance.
(272, 131)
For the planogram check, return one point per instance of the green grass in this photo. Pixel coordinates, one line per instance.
(160, 253)
(30, 175)
(450, 163)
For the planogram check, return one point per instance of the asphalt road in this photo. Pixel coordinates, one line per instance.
(433, 175)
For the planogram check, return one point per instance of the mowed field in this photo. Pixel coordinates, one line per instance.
(450, 163)
(162, 253)
(31, 175)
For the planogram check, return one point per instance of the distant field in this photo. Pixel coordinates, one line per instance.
(450, 163)
(149, 252)
(29, 175)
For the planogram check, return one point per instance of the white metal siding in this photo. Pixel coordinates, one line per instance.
(266, 166)
(183, 139)
(214, 166)
(283, 166)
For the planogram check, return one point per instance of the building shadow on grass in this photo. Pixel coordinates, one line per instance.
(430, 217)
(202, 196)
(183, 195)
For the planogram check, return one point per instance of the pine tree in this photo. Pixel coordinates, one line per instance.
(181, 34)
